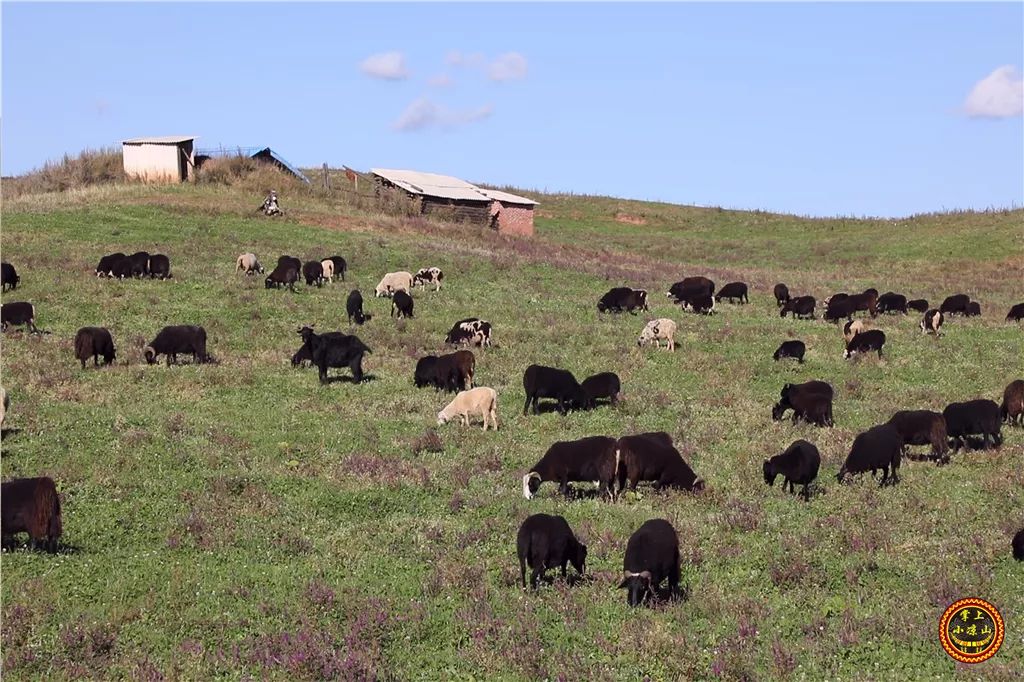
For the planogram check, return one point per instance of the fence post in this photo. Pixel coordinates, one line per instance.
(327, 178)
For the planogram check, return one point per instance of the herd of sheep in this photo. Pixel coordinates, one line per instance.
(547, 542)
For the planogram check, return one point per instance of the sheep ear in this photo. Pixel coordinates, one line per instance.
(646, 575)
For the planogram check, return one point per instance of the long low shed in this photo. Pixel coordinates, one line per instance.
(159, 159)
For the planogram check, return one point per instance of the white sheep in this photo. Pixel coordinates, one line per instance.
(656, 330)
(392, 282)
(247, 263)
(328, 266)
(480, 400)
(5, 402)
(854, 327)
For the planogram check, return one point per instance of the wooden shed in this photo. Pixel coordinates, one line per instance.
(159, 159)
(464, 201)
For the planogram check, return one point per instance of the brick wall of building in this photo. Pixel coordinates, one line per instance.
(514, 219)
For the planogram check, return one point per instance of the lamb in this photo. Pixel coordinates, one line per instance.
(480, 400)
(248, 264)
(105, 268)
(335, 349)
(918, 304)
(781, 292)
(284, 273)
(733, 291)
(602, 385)
(652, 555)
(313, 272)
(1016, 313)
(798, 464)
(802, 306)
(340, 266)
(586, 459)
(425, 276)
(810, 401)
(18, 313)
(891, 302)
(880, 447)
(932, 321)
(8, 277)
(175, 339)
(550, 382)
(160, 266)
(658, 330)
(392, 282)
(973, 309)
(354, 307)
(872, 340)
(1012, 409)
(703, 304)
(31, 505)
(402, 302)
(327, 266)
(791, 349)
(92, 342)
(854, 327)
(547, 542)
(923, 427)
(973, 417)
(653, 457)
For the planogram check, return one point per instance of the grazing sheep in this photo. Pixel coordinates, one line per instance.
(176, 339)
(973, 417)
(866, 301)
(313, 273)
(810, 401)
(327, 266)
(8, 277)
(871, 340)
(733, 291)
(791, 349)
(92, 342)
(248, 264)
(880, 447)
(335, 349)
(802, 306)
(923, 427)
(1012, 409)
(354, 307)
(471, 330)
(836, 310)
(451, 372)
(401, 302)
(125, 268)
(340, 266)
(658, 330)
(392, 282)
(105, 268)
(973, 309)
(854, 327)
(835, 298)
(140, 263)
(160, 266)
(621, 299)
(918, 304)
(955, 304)
(302, 356)
(18, 313)
(292, 261)
(891, 302)
(1016, 313)
(653, 457)
(550, 382)
(652, 555)
(31, 505)
(702, 304)
(798, 464)
(602, 385)
(587, 459)
(1018, 545)
(781, 292)
(932, 321)
(480, 400)
(691, 286)
(5, 404)
(425, 276)
(546, 542)
(283, 274)
(425, 373)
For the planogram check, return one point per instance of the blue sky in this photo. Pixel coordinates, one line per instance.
(816, 109)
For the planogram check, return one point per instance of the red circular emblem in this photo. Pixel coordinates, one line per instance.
(971, 630)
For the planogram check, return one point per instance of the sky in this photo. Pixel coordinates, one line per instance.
(874, 109)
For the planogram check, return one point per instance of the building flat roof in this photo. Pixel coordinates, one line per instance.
(167, 139)
(445, 187)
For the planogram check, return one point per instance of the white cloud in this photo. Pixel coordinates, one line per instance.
(456, 58)
(509, 66)
(441, 80)
(998, 95)
(386, 65)
(424, 113)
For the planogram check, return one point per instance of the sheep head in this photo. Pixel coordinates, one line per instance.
(638, 586)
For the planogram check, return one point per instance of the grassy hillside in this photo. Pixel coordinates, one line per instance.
(239, 519)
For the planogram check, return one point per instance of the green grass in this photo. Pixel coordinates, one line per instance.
(239, 519)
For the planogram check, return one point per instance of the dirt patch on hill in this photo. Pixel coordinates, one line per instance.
(630, 219)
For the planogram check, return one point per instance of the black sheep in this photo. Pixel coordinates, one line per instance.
(1018, 545)
(691, 286)
(335, 349)
(865, 342)
(31, 505)
(798, 464)
(1011, 410)
(802, 306)
(973, 417)
(160, 266)
(918, 304)
(652, 555)
(836, 310)
(550, 382)
(810, 401)
(973, 309)
(284, 273)
(891, 302)
(140, 263)
(622, 299)
(354, 307)
(125, 268)
(955, 304)
(602, 385)
(733, 291)
(454, 371)
(8, 277)
(1016, 313)
(587, 459)
(546, 542)
(425, 373)
(339, 266)
(93, 342)
(175, 339)
(313, 271)
(932, 321)
(302, 355)
(923, 427)
(653, 457)
(781, 292)
(18, 313)
(703, 304)
(791, 349)
(290, 260)
(880, 447)
(401, 302)
(105, 268)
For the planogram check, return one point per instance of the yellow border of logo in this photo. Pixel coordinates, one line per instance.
(997, 637)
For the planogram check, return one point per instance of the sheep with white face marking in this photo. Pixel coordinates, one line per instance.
(328, 267)
(248, 264)
(658, 330)
(425, 276)
(392, 282)
(480, 400)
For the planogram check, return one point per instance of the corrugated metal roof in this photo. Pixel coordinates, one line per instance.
(277, 157)
(168, 139)
(445, 186)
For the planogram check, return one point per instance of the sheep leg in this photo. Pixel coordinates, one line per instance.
(535, 577)
(885, 476)
(673, 580)
(806, 494)
(526, 406)
(565, 574)
(356, 366)
(522, 570)
(561, 406)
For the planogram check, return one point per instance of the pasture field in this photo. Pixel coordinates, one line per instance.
(238, 520)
